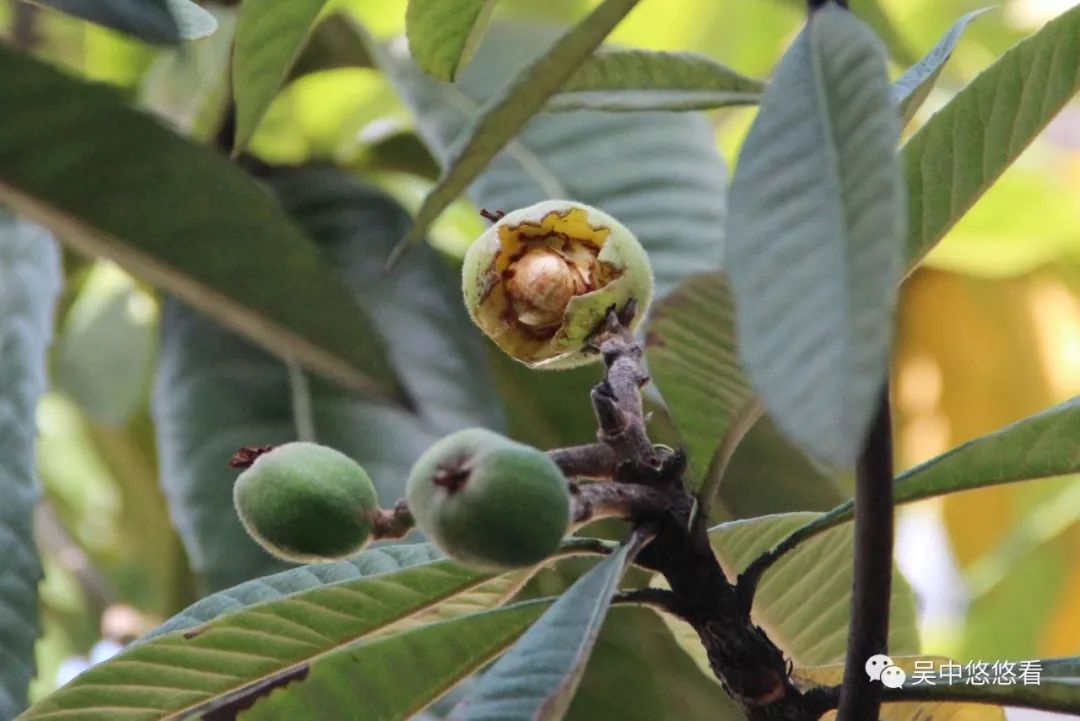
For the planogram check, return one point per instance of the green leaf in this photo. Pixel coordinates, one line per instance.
(367, 681)
(655, 678)
(506, 114)
(617, 80)
(537, 679)
(969, 143)
(204, 667)
(815, 236)
(912, 88)
(1057, 688)
(372, 562)
(444, 33)
(694, 360)
(215, 393)
(227, 650)
(29, 282)
(1039, 446)
(270, 36)
(690, 344)
(659, 173)
(163, 22)
(112, 181)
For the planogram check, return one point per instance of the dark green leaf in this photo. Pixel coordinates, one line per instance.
(29, 282)
(966, 146)
(269, 38)
(154, 21)
(114, 182)
(537, 679)
(616, 80)
(815, 237)
(215, 393)
(507, 113)
(444, 33)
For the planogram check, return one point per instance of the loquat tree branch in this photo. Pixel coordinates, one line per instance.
(647, 488)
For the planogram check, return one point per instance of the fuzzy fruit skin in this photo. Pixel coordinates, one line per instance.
(511, 506)
(604, 266)
(304, 502)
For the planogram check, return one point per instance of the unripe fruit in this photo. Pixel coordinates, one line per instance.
(489, 501)
(541, 279)
(304, 502)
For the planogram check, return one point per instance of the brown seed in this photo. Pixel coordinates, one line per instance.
(541, 287)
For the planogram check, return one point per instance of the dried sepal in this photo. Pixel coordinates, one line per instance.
(541, 279)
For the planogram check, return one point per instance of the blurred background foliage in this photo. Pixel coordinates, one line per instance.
(989, 326)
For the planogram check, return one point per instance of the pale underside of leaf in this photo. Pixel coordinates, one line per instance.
(29, 282)
(815, 237)
(912, 88)
(615, 80)
(154, 21)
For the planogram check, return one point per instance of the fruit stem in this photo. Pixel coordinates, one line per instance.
(393, 523)
(634, 502)
(592, 460)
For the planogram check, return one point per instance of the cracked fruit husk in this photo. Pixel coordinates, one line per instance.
(542, 278)
(304, 502)
(488, 501)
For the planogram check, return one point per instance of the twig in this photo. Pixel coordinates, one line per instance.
(592, 460)
(617, 398)
(869, 627)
